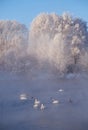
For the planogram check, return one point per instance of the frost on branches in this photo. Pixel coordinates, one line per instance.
(13, 39)
(59, 39)
(60, 42)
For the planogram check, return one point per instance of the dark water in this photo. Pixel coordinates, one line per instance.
(16, 114)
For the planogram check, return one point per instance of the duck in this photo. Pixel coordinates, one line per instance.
(70, 100)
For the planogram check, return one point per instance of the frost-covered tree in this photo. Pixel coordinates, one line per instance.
(13, 38)
(67, 36)
(59, 41)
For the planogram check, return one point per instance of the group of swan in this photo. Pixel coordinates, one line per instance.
(38, 104)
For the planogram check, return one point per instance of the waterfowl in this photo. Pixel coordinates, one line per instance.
(35, 105)
(55, 101)
(70, 100)
(60, 90)
(23, 97)
(37, 102)
(42, 107)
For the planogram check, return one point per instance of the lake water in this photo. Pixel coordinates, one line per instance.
(16, 114)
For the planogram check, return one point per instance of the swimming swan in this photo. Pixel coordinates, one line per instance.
(37, 102)
(42, 107)
(55, 101)
(23, 97)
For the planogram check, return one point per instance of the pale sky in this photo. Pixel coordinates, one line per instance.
(25, 10)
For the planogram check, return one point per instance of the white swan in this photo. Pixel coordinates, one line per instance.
(23, 97)
(60, 90)
(55, 101)
(42, 106)
(37, 102)
(35, 105)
